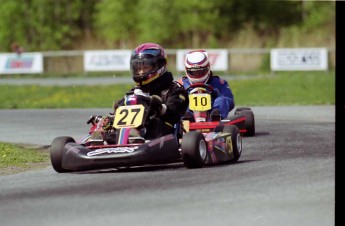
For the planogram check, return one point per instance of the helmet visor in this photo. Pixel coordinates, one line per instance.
(150, 52)
(142, 68)
(198, 72)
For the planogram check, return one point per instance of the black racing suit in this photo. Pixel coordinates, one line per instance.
(173, 95)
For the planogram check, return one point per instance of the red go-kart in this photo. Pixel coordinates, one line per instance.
(204, 120)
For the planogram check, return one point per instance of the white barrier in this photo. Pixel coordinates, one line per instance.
(299, 59)
(25, 63)
(218, 59)
(108, 60)
(118, 60)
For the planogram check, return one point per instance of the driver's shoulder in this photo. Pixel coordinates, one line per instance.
(174, 87)
(181, 80)
(176, 84)
(216, 80)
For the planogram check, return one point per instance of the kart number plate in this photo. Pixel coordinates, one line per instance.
(200, 102)
(130, 116)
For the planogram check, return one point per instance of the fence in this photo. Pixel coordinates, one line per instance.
(241, 61)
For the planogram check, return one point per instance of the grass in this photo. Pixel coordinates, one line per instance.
(34, 96)
(284, 88)
(316, 88)
(16, 158)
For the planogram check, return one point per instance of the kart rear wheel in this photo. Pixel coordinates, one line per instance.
(250, 122)
(238, 110)
(57, 150)
(194, 149)
(235, 138)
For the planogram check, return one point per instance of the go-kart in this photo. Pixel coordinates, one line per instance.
(203, 119)
(131, 148)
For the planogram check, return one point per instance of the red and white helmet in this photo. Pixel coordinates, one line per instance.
(148, 62)
(197, 66)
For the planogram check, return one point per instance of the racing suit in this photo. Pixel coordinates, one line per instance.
(222, 97)
(173, 96)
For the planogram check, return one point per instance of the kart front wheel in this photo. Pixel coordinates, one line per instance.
(194, 149)
(57, 150)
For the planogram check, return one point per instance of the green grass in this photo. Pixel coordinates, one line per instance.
(15, 158)
(34, 96)
(288, 88)
(284, 88)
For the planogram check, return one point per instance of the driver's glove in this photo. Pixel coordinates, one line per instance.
(107, 123)
(157, 105)
(215, 94)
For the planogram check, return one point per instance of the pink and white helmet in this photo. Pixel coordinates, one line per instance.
(148, 62)
(197, 66)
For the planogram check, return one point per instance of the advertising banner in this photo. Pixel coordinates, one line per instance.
(24, 63)
(109, 60)
(218, 59)
(299, 59)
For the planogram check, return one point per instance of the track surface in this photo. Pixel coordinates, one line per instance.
(285, 176)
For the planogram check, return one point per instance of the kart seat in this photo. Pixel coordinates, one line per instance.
(188, 116)
(215, 115)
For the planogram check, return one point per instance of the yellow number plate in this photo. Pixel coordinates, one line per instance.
(130, 116)
(200, 102)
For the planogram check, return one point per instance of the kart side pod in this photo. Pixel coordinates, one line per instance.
(222, 145)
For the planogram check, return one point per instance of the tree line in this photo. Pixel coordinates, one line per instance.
(44, 25)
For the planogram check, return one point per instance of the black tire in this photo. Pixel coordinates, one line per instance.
(235, 138)
(194, 149)
(238, 110)
(57, 150)
(250, 123)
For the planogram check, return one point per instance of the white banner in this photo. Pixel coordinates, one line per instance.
(109, 60)
(296, 59)
(218, 59)
(25, 63)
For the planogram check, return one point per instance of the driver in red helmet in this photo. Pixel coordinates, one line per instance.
(198, 70)
(168, 97)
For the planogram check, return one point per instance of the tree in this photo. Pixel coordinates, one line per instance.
(116, 21)
(42, 24)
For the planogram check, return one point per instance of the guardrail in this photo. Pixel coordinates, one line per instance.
(240, 60)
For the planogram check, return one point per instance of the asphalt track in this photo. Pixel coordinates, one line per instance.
(285, 176)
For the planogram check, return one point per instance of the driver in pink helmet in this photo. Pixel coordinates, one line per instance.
(168, 98)
(198, 70)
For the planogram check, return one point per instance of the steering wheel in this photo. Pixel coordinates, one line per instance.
(206, 87)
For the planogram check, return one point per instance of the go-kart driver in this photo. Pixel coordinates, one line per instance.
(168, 98)
(197, 69)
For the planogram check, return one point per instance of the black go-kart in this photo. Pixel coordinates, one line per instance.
(192, 148)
